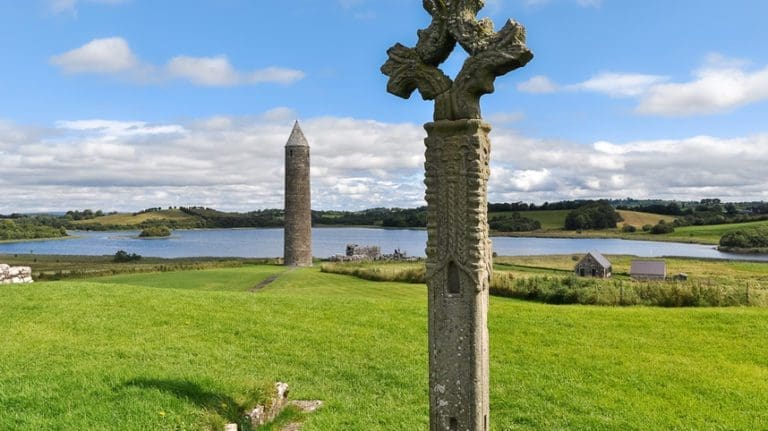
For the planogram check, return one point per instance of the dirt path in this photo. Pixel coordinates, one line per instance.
(267, 281)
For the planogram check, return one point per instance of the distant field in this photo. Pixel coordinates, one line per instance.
(711, 234)
(128, 219)
(179, 353)
(638, 219)
(555, 220)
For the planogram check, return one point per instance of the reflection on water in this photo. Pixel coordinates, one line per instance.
(329, 241)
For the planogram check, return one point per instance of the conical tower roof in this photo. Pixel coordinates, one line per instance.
(297, 138)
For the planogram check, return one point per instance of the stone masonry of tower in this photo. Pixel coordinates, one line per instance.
(297, 249)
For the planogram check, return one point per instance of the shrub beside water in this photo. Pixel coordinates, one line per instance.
(412, 272)
(577, 290)
(155, 232)
(124, 256)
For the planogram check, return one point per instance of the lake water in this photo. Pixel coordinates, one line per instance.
(329, 241)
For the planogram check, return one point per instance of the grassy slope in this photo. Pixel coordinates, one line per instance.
(552, 225)
(711, 234)
(122, 354)
(127, 219)
(555, 219)
(638, 219)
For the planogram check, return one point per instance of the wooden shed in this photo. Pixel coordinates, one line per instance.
(648, 270)
(593, 264)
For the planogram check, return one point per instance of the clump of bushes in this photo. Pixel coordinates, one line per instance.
(396, 271)
(591, 291)
(124, 256)
(746, 240)
(594, 215)
(628, 228)
(513, 223)
(662, 227)
(28, 228)
(155, 232)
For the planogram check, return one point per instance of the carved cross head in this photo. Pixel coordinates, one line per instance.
(491, 54)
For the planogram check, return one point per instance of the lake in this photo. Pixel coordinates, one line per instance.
(329, 241)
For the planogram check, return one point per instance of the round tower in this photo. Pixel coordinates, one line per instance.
(297, 248)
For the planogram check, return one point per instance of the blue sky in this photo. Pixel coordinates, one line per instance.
(127, 104)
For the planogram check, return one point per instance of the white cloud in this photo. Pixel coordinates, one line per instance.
(717, 87)
(109, 55)
(113, 56)
(212, 71)
(236, 163)
(278, 75)
(619, 84)
(689, 168)
(721, 85)
(538, 85)
(224, 162)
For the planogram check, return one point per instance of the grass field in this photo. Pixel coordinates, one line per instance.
(638, 219)
(555, 219)
(170, 351)
(552, 223)
(711, 234)
(127, 219)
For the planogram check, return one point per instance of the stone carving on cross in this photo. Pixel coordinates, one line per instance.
(459, 253)
(491, 54)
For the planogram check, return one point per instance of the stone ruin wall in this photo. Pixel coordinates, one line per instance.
(15, 274)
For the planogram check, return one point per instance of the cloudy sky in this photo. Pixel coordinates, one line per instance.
(129, 104)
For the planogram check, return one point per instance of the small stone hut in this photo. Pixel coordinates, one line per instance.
(593, 264)
(648, 270)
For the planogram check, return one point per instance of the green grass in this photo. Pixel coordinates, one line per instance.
(555, 219)
(47, 267)
(224, 279)
(133, 353)
(711, 234)
(128, 219)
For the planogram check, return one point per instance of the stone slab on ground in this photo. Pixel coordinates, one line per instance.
(15, 274)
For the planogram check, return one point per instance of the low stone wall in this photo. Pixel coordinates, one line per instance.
(15, 274)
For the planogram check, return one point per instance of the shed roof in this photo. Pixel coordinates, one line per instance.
(605, 263)
(648, 267)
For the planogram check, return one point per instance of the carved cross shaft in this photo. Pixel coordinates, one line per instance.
(457, 170)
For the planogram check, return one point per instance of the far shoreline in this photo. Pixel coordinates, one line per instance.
(592, 234)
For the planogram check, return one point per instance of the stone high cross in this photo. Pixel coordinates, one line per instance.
(457, 156)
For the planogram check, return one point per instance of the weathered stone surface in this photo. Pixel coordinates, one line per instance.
(15, 274)
(297, 246)
(261, 415)
(492, 54)
(458, 273)
(457, 157)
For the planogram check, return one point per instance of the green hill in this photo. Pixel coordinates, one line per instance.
(128, 219)
(555, 219)
(185, 350)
